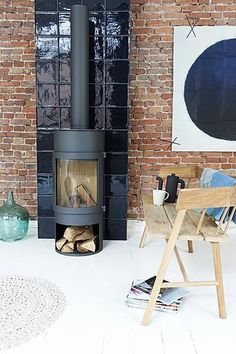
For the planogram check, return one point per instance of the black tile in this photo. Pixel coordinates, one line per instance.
(64, 24)
(95, 71)
(44, 161)
(96, 24)
(46, 71)
(116, 208)
(116, 164)
(116, 186)
(116, 118)
(42, 5)
(65, 71)
(45, 183)
(117, 23)
(65, 117)
(64, 48)
(65, 5)
(116, 95)
(47, 95)
(116, 141)
(95, 5)
(46, 48)
(95, 95)
(95, 48)
(115, 229)
(45, 206)
(46, 228)
(48, 118)
(117, 71)
(117, 47)
(118, 5)
(46, 24)
(65, 95)
(44, 140)
(96, 118)
(53, 99)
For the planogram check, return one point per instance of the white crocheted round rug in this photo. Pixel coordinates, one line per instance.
(27, 307)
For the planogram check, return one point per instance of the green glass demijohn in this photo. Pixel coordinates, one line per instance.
(14, 220)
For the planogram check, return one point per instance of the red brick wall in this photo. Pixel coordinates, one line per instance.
(17, 102)
(151, 89)
(150, 94)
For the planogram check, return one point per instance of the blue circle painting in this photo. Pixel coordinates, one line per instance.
(210, 90)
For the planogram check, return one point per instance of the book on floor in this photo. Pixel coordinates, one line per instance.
(168, 300)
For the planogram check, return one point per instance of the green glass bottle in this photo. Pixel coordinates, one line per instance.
(14, 220)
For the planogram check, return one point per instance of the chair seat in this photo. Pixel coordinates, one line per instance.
(160, 219)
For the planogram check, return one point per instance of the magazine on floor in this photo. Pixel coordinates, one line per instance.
(168, 300)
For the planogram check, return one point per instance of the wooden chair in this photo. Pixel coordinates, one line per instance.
(187, 173)
(188, 224)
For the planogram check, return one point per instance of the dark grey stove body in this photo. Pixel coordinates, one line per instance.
(78, 160)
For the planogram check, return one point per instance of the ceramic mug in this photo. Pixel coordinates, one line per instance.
(159, 197)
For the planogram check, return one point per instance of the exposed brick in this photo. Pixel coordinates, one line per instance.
(151, 89)
(150, 95)
(17, 102)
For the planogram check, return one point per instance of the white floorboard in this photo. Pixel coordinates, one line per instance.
(96, 320)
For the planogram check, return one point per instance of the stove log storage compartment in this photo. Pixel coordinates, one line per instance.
(78, 160)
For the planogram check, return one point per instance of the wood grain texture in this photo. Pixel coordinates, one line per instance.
(181, 171)
(206, 198)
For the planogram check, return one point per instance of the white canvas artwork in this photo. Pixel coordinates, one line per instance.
(204, 100)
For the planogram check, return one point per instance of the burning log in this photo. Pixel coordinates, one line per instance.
(80, 238)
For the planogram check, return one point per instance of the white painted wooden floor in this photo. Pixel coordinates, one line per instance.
(96, 320)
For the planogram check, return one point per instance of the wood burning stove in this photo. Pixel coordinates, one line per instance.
(78, 159)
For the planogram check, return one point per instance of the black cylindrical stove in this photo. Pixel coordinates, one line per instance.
(79, 183)
(78, 159)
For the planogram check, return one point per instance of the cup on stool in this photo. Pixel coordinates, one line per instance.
(159, 197)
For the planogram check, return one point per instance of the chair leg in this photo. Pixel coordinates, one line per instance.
(190, 246)
(181, 265)
(163, 267)
(219, 279)
(143, 238)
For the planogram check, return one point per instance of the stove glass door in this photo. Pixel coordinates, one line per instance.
(76, 183)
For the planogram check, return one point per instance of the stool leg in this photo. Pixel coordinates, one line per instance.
(190, 246)
(143, 238)
(219, 279)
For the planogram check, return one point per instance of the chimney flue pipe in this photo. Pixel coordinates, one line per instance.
(79, 67)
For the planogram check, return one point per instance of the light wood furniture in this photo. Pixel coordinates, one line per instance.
(181, 222)
(185, 172)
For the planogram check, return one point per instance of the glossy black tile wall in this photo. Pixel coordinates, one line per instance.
(45, 183)
(116, 229)
(116, 208)
(109, 30)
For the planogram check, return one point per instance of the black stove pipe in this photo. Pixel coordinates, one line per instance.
(79, 67)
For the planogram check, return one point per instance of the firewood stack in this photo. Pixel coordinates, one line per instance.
(77, 238)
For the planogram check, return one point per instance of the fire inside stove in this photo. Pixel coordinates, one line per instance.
(76, 183)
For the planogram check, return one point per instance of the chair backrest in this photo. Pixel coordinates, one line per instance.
(189, 171)
(220, 197)
(203, 198)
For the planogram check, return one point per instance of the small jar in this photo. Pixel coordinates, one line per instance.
(14, 220)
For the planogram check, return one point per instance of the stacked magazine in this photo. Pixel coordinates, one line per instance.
(169, 299)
